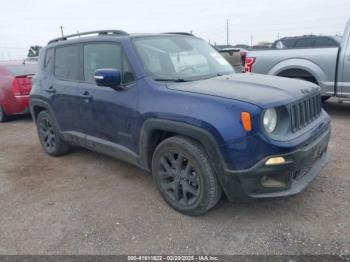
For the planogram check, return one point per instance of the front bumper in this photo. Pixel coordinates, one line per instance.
(300, 168)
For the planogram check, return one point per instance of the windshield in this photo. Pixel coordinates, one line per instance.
(180, 58)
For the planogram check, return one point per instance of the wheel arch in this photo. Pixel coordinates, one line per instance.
(155, 130)
(38, 105)
(299, 74)
(299, 65)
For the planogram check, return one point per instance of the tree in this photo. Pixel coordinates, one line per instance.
(33, 51)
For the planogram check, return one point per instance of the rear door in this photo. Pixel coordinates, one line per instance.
(62, 87)
(107, 114)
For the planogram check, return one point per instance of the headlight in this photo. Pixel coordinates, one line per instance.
(270, 120)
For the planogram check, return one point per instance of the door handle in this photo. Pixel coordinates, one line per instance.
(86, 95)
(51, 90)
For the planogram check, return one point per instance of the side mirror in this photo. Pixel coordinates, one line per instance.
(108, 77)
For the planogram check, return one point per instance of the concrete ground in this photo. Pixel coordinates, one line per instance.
(86, 203)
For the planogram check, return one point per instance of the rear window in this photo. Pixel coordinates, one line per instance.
(48, 64)
(67, 62)
(22, 70)
(289, 43)
(305, 42)
(325, 42)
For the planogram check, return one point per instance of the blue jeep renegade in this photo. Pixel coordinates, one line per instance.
(170, 104)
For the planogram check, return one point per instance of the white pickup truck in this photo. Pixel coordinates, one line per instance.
(327, 67)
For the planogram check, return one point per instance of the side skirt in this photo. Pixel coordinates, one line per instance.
(105, 147)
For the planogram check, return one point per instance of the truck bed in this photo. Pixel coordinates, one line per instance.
(320, 62)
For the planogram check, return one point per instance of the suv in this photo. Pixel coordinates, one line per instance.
(172, 105)
(310, 41)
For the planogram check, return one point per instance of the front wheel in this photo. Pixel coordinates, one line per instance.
(50, 139)
(184, 176)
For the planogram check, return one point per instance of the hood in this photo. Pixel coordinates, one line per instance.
(262, 90)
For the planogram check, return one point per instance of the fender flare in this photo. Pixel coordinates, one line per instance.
(201, 135)
(301, 64)
(33, 102)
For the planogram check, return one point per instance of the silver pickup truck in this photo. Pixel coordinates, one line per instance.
(327, 67)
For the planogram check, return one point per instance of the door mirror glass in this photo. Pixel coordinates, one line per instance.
(108, 77)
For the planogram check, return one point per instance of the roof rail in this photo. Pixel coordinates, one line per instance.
(179, 33)
(100, 32)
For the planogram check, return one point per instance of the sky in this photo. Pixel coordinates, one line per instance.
(34, 22)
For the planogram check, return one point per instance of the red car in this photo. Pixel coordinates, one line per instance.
(15, 86)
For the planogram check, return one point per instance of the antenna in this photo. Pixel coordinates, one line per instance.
(61, 27)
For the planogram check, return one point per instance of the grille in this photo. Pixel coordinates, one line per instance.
(304, 112)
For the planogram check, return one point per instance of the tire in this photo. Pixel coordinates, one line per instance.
(325, 98)
(49, 137)
(3, 116)
(184, 176)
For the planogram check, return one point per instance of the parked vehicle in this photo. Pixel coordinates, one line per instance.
(327, 66)
(172, 105)
(235, 56)
(15, 86)
(307, 41)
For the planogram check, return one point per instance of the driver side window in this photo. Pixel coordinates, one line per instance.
(104, 55)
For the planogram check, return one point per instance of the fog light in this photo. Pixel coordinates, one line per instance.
(269, 181)
(275, 161)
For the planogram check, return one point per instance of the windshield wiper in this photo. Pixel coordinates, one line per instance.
(177, 80)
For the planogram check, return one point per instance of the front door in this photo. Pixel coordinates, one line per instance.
(109, 115)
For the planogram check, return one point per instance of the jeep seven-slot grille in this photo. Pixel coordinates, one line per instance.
(304, 112)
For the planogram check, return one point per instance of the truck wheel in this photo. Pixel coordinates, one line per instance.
(184, 176)
(325, 98)
(50, 139)
(3, 116)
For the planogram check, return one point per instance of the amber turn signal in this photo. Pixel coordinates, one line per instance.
(246, 121)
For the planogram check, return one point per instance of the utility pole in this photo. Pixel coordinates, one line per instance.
(227, 31)
(278, 36)
(251, 40)
(61, 27)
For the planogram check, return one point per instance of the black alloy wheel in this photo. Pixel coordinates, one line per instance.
(50, 138)
(184, 176)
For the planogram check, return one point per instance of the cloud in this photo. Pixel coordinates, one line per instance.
(25, 23)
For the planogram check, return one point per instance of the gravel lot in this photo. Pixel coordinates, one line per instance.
(86, 203)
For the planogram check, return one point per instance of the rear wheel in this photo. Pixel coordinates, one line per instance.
(50, 139)
(3, 116)
(184, 176)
